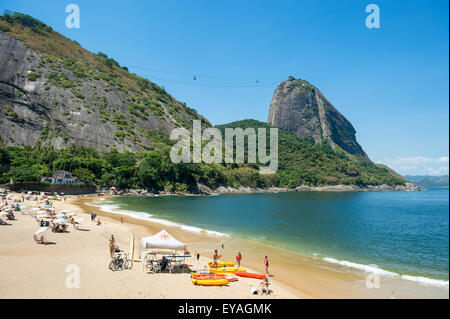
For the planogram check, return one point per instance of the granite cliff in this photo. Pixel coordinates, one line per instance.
(300, 108)
(55, 92)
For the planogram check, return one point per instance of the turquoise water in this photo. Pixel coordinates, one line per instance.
(402, 232)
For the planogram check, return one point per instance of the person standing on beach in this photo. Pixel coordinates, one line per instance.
(238, 259)
(266, 265)
(112, 246)
(92, 217)
(215, 258)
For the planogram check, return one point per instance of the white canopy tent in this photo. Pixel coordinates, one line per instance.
(162, 240)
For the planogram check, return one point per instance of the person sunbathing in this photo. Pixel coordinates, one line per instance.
(2, 222)
(264, 286)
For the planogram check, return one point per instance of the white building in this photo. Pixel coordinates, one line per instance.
(61, 177)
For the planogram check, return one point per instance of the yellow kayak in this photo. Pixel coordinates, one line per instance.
(222, 264)
(210, 282)
(223, 270)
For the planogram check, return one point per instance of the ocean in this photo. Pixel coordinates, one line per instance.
(393, 233)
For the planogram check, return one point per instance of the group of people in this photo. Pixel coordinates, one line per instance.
(216, 258)
(93, 216)
(10, 213)
(264, 284)
(58, 228)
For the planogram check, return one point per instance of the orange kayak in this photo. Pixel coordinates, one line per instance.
(249, 275)
(214, 277)
(225, 270)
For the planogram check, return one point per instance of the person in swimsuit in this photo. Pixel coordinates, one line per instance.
(238, 259)
(266, 265)
(264, 285)
(112, 246)
(215, 258)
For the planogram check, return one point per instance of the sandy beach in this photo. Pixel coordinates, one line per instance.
(29, 270)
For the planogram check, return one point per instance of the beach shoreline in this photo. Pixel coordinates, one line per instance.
(306, 276)
(29, 270)
(203, 190)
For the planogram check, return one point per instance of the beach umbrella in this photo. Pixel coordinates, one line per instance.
(41, 233)
(41, 230)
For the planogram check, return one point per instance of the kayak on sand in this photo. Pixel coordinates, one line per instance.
(210, 282)
(221, 264)
(226, 270)
(230, 278)
(249, 274)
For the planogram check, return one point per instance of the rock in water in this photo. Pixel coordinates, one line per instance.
(300, 108)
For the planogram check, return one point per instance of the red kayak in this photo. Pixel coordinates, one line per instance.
(249, 275)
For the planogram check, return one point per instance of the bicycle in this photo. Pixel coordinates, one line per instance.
(120, 261)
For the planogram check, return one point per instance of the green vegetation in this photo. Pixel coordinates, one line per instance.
(301, 162)
(152, 170)
(8, 111)
(33, 76)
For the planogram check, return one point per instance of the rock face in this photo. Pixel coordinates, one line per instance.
(46, 98)
(300, 108)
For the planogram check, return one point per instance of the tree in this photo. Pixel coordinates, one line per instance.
(25, 174)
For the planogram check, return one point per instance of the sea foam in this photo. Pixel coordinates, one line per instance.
(115, 209)
(376, 270)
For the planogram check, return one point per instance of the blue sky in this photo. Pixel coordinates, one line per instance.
(391, 83)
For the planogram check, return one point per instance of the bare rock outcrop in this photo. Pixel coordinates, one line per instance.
(300, 108)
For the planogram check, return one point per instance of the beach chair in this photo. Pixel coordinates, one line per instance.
(176, 266)
(156, 267)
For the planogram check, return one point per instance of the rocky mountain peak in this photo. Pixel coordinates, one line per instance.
(300, 108)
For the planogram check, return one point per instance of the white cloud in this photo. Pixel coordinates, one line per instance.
(418, 165)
